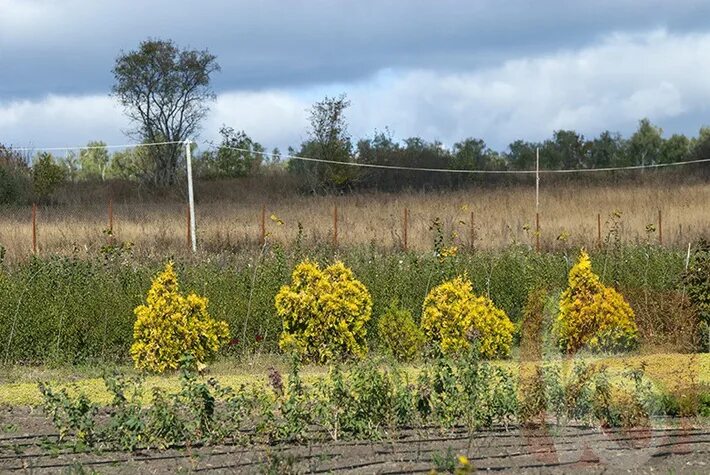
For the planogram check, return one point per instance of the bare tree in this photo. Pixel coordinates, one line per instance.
(165, 91)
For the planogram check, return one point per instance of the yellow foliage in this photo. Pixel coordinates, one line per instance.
(171, 326)
(593, 315)
(324, 312)
(452, 316)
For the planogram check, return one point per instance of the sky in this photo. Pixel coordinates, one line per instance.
(442, 70)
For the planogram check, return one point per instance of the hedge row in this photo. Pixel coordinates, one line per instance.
(67, 310)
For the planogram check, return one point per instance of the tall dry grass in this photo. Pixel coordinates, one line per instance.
(502, 215)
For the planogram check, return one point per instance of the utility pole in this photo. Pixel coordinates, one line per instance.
(190, 194)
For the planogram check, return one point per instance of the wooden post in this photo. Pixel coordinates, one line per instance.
(406, 228)
(537, 232)
(262, 227)
(660, 228)
(335, 225)
(187, 227)
(473, 232)
(110, 221)
(34, 228)
(110, 215)
(599, 230)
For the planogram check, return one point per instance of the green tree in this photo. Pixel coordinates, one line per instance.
(645, 145)
(94, 161)
(567, 150)
(275, 157)
(47, 175)
(71, 165)
(130, 164)
(607, 150)
(675, 149)
(237, 155)
(164, 91)
(328, 140)
(521, 155)
(15, 184)
(701, 145)
(473, 154)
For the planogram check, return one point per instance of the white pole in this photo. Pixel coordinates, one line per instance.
(537, 180)
(190, 194)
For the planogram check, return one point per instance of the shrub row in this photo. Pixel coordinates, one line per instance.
(62, 309)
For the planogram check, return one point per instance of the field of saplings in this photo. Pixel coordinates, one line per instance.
(290, 360)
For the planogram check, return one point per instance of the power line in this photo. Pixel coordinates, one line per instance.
(373, 165)
(93, 147)
(479, 172)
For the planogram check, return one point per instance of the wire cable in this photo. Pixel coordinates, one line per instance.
(480, 172)
(53, 149)
(374, 165)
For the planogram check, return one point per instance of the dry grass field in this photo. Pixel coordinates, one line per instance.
(501, 216)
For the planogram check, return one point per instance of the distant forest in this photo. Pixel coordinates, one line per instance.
(25, 176)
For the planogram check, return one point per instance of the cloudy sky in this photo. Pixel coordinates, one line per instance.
(440, 69)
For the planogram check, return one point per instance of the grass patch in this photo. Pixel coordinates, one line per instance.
(18, 384)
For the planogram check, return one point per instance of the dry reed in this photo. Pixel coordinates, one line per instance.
(506, 215)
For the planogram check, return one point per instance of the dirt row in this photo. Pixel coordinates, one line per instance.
(28, 444)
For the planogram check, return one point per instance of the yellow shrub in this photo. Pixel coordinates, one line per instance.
(452, 316)
(324, 312)
(593, 315)
(171, 326)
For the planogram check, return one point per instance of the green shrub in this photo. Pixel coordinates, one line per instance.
(324, 312)
(171, 326)
(593, 315)
(697, 281)
(453, 316)
(399, 334)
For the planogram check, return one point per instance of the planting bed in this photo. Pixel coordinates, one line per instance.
(668, 446)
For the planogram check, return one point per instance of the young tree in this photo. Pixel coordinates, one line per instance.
(130, 164)
(645, 144)
(164, 90)
(94, 161)
(71, 165)
(329, 140)
(237, 155)
(47, 175)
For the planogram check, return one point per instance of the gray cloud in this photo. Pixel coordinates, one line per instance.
(608, 85)
(68, 47)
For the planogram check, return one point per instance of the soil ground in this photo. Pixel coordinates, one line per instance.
(28, 444)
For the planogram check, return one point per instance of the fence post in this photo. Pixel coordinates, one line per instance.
(406, 228)
(110, 221)
(335, 225)
(187, 227)
(599, 230)
(473, 232)
(110, 215)
(34, 228)
(537, 232)
(660, 228)
(262, 226)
